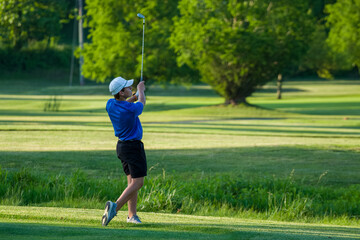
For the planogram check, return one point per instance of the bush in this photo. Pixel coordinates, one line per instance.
(33, 59)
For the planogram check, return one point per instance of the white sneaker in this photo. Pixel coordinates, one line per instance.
(110, 213)
(134, 219)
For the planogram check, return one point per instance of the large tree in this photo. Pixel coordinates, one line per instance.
(238, 45)
(344, 22)
(322, 58)
(115, 37)
(22, 21)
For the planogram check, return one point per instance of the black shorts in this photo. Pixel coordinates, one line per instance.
(133, 158)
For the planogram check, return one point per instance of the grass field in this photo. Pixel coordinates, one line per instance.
(312, 135)
(50, 223)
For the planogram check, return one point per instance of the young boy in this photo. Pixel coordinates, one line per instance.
(124, 116)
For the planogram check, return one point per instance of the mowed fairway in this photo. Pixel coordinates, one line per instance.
(65, 223)
(314, 132)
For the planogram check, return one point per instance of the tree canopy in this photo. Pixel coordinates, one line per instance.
(234, 45)
(116, 35)
(240, 45)
(22, 21)
(344, 23)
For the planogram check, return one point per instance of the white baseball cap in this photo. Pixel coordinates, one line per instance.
(117, 84)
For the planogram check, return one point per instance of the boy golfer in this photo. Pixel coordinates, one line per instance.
(124, 116)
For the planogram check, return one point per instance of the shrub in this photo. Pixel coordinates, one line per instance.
(32, 59)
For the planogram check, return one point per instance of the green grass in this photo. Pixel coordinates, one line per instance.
(218, 195)
(242, 139)
(50, 223)
(189, 136)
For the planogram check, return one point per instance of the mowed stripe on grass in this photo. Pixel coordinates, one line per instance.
(70, 223)
(313, 130)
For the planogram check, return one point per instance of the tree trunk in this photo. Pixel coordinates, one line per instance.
(279, 85)
(236, 101)
(17, 41)
(18, 45)
(81, 43)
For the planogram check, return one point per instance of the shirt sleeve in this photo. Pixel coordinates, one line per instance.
(138, 108)
(108, 105)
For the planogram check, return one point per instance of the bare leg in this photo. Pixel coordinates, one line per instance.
(132, 201)
(135, 185)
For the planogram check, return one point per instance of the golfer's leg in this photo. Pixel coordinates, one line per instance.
(134, 186)
(132, 201)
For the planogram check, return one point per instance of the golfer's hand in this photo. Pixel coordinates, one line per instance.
(141, 86)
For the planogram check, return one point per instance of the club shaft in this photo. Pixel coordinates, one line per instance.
(142, 52)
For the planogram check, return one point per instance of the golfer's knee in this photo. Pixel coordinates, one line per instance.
(137, 184)
(140, 184)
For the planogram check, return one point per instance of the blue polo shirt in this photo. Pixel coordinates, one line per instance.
(124, 117)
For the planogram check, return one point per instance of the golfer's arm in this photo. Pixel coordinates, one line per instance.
(132, 99)
(142, 98)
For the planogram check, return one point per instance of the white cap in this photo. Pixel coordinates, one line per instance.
(117, 84)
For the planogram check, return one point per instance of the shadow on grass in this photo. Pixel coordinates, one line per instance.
(210, 122)
(40, 84)
(107, 123)
(269, 130)
(175, 231)
(154, 107)
(309, 163)
(47, 82)
(218, 127)
(41, 113)
(284, 90)
(173, 91)
(337, 108)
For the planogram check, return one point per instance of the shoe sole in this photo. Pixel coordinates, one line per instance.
(104, 220)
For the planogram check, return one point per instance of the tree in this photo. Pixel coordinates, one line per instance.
(22, 21)
(115, 41)
(322, 58)
(240, 45)
(344, 22)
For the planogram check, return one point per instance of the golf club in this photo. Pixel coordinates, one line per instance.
(142, 52)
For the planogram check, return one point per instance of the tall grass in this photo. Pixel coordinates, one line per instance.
(52, 105)
(220, 195)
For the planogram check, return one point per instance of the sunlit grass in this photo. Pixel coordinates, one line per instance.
(314, 131)
(51, 223)
(176, 118)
